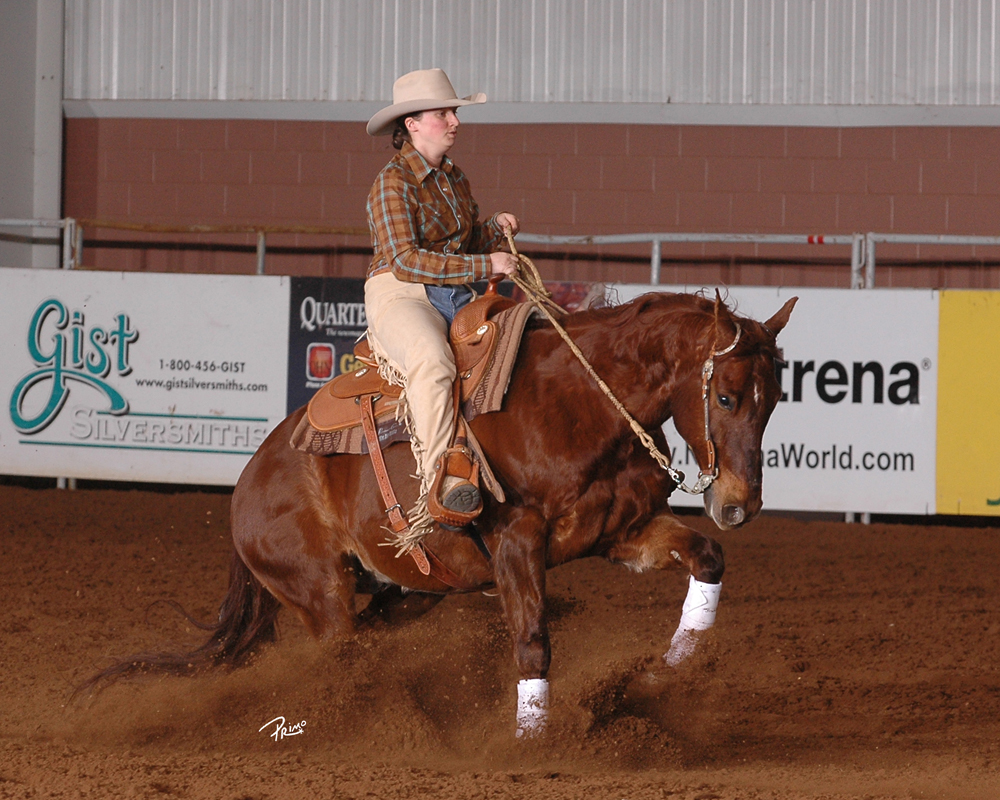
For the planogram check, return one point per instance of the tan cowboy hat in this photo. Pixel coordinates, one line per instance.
(421, 90)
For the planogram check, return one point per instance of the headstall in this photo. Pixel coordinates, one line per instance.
(711, 472)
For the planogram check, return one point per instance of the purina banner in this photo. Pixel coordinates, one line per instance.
(856, 427)
(139, 377)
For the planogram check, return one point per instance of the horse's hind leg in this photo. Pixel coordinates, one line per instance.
(319, 591)
(665, 541)
(289, 541)
(327, 608)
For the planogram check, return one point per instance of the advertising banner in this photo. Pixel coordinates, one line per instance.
(178, 378)
(139, 377)
(856, 426)
(326, 317)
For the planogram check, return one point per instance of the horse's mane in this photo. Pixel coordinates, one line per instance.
(691, 316)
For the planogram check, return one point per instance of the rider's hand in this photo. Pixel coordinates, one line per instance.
(503, 264)
(508, 221)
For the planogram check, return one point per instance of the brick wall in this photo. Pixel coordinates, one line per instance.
(559, 179)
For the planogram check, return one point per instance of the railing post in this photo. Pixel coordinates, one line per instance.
(870, 261)
(68, 241)
(261, 246)
(654, 263)
(867, 256)
(857, 260)
(78, 248)
(857, 281)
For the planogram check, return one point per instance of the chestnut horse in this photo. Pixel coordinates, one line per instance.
(309, 530)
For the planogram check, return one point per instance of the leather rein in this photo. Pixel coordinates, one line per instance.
(530, 282)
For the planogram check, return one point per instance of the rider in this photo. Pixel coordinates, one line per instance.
(428, 246)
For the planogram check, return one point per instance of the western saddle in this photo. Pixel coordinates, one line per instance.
(365, 398)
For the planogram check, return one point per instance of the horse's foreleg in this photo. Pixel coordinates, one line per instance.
(666, 542)
(697, 615)
(519, 571)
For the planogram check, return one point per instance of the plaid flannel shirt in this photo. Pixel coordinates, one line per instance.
(425, 223)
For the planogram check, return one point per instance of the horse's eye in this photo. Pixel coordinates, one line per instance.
(726, 402)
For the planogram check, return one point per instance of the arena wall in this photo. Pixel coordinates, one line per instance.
(178, 378)
(559, 179)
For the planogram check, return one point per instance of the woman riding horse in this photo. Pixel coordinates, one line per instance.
(429, 245)
(309, 530)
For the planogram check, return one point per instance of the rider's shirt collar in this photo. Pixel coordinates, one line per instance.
(419, 165)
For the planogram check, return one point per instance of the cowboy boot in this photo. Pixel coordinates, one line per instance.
(455, 499)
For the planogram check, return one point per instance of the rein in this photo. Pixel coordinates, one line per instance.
(530, 282)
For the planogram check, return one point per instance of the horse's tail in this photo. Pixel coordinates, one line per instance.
(247, 618)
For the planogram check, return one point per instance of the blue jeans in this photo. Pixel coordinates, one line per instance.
(449, 299)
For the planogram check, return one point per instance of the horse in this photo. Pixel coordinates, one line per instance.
(309, 531)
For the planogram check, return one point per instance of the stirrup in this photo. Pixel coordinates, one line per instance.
(464, 501)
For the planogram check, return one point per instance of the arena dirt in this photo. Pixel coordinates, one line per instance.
(848, 661)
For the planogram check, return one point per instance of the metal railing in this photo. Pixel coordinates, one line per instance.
(871, 239)
(70, 235)
(260, 231)
(657, 240)
(862, 258)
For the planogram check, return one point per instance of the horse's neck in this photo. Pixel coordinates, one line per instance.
(642, 364)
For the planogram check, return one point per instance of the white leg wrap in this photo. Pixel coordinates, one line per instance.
(698, 615)
(532, 706)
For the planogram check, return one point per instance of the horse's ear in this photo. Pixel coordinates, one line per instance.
(721, 309)
(719, 305)
(777, 323)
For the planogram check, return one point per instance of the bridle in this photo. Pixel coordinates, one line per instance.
(708, 475)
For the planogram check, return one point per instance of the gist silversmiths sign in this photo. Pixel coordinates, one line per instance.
(130, 376)
(855, 429)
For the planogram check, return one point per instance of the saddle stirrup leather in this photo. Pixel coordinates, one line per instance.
(397, 518)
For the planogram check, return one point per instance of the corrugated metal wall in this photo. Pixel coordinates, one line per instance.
(813, 52)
